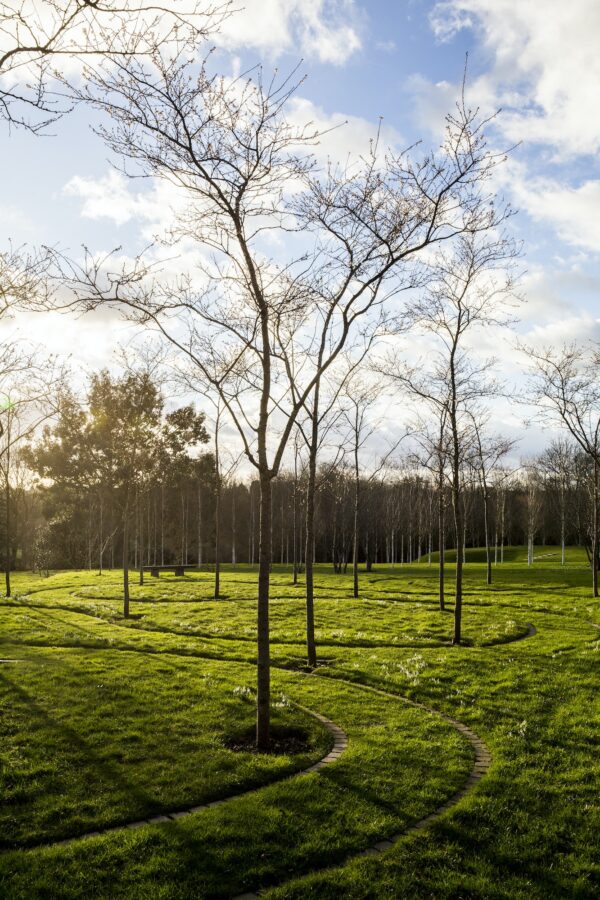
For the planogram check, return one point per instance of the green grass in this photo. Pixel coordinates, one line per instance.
(106, 721)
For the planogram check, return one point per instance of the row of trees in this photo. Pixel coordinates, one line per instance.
(298, 269)
(115, 480)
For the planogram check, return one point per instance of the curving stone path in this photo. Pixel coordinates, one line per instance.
(531, 631)
(340, 742)
(483, 761)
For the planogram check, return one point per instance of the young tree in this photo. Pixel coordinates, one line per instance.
(470, 288)
(262, 330)
(566, 384)
(558, 462)
(323, 412)
(25, 404)
(486, 455)
(434, 456)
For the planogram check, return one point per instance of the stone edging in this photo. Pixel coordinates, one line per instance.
(531, 631)
(483, 761)
(340, 742)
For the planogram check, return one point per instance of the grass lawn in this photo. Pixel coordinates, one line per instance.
(106, 721)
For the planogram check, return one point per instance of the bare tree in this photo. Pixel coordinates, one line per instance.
(433, 455)
(566, 383)
(487, 453)
(323, 412)
(470, 287)
(358, 398)
(40, 40)
(29, 395)
(262, 330)
(558, 462)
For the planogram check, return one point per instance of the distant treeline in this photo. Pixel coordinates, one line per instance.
(118, 457)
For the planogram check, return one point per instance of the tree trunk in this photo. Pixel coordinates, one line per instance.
(199, 525)
(459, 527)
(309, 551)
(309, 556)
(457, 505)
(126, 562)
(101, 544)
(595, 530)
(233, 529)
(8, 530)
(89, 548)
(442, 541)
(141, 558)
(355, 541)
(562, 527)
(218, 536)
(356, 517)
(162, 524)
(282, 529)
(295, 526)
(263, 694)
(182, 549)
(486, 528)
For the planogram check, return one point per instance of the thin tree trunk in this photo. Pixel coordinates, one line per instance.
(486, 528)
(182, 548)
(595, 530)
(141, 557)
(457, 505)
(355, 536)
(459, 527)
(263, 694)
(295, 524)
(442, 542)
(252, 527)
(218, 537)
(89, 548)
(562, 526)
(199, 525)
(309, 551)
(8, 527)
(281, 536)
(101, 555)
(233, 529)
(126, 561)
(162, 524)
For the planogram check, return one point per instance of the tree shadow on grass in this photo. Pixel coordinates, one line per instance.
(76, 747)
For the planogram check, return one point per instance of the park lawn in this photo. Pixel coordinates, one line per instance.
(109, 720)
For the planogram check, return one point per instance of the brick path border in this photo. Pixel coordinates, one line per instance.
(483, 761)
(340, 742)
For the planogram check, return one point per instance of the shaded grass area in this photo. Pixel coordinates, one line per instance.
(155, 734)
(88, 741)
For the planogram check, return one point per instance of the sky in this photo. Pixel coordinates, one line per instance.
(398, 63)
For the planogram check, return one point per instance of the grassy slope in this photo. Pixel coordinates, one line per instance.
(134, 723)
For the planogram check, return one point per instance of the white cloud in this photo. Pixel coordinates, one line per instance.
(546, 65)
(107, 197)
(342, 136)
(91, 339)
(326, 30)
(573, 212)
(576, 328)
